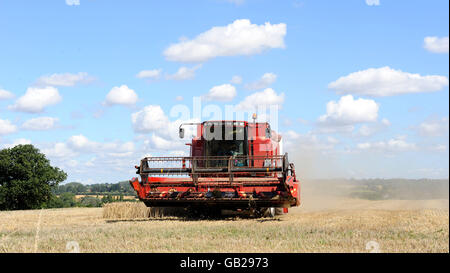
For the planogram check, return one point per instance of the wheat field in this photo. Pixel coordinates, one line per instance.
(351, 225)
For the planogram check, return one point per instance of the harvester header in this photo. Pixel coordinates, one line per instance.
(233, 165)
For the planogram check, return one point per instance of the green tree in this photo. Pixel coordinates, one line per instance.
(68, 199)
(26, 178)
(90, 201)
(54, 202)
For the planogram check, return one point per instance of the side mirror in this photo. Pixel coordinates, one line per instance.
(181, 132)
(268, 132)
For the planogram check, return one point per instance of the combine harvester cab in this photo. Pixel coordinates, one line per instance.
(233, 165)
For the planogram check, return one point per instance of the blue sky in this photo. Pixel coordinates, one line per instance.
(92, 83)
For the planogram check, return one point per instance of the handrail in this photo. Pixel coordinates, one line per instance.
(212, 165)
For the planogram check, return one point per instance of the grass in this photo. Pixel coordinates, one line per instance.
(302, 230)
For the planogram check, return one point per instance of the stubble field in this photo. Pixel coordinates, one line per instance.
(320, 225)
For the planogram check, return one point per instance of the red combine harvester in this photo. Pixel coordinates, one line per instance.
(233, 165)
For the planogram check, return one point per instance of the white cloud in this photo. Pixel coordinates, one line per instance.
(332, 140)
(385, 81)
(59, 150)
(19, 141)
(224, 92)
(36, 99)
(5, 95)
(64, 79)
(151, 118)
(168, 142)
(121, 95)
(334, 128)
(90, 162)
(348, 111)
(366, 130)
(80, 142)
(373, 2)
(72, 163)
(386, 122)
(81, 157)
(239, 38)
(392, 145)
(6, 127)
(295, 142)
(73, 2)
(264, 98)
(123, 149)
(184, 73)
(435, 127)
(179, 98)
(439, 148)
(369, 130)
(40, 123)
(266, 80)
(160, 143)
(149, 74)
(164, 133)
(236, 79)
(436, 44)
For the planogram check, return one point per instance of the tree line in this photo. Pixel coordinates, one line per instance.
(70, 200)
(122, 187)
(384, 189)
(28, 181)
(94, 195)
